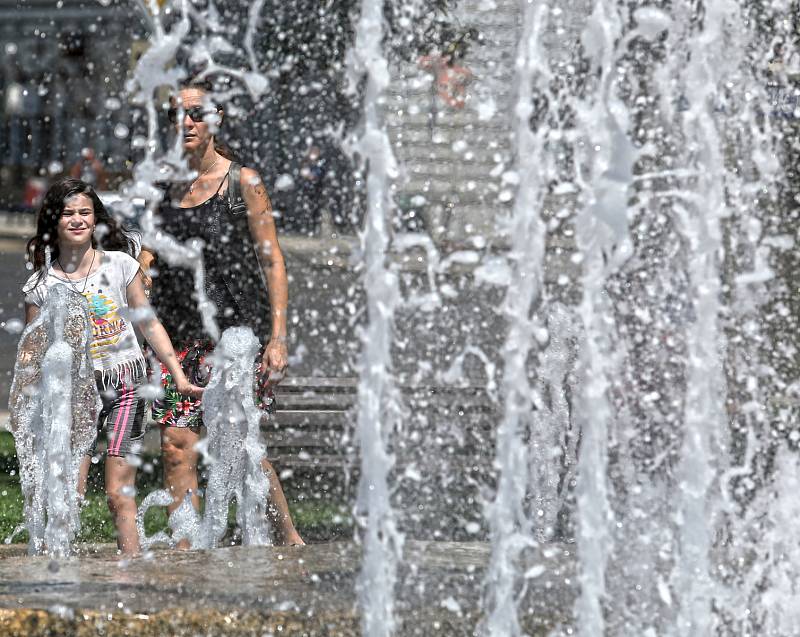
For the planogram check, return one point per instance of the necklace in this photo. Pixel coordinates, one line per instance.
(85, 279)
(202, 174)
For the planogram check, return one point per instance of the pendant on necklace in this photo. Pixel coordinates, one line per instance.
(200, 176)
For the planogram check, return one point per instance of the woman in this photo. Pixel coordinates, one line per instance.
(228, 208)
(110, 280)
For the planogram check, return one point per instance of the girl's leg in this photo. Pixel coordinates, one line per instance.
(123, 422)
(278, 509)
(180, 466)
(83, 476)
(120, 489)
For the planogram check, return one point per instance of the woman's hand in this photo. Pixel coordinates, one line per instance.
(187, 389)
(274, 362)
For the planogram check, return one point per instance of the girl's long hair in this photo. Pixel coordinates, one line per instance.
(113, 235)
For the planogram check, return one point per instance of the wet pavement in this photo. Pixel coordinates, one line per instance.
(263, 591)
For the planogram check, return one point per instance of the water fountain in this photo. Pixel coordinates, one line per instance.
(53, 408)
(511, 528)
(618, 328)
(233, 450)
(378, 415)
(655, 454)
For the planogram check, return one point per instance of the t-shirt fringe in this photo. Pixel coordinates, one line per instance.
(131, 369)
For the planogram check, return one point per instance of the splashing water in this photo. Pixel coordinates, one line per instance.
(659, 188)
(234, 443)
(187, 524)
(233, 449)
(511, 530)
(600, 223)
(554, 441)
(703, 454)
(154, 70)
(770, 588)
(53, 406)
(377, 400)
(158, 498)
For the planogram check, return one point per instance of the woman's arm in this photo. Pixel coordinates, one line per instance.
(157, 336)
(265, 238)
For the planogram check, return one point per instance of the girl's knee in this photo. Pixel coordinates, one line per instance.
(121, 498)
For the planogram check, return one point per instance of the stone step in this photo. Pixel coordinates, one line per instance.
(302, 438)
(444, 120)
(477, 171)
(445, 191)
(283, 461)
(337, 403)
(493, 140)
(315, 401)
(315, 421)
(308, 419)
(328, 385)
(468, 462)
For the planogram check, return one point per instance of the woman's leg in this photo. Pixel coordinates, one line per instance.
(120, 489)
(278, 509)
(180, 457)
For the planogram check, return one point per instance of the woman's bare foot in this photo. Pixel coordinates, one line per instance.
(278, 510)
(286, 534)
(293, 539)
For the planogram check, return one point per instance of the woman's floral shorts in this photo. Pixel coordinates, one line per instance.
(175, 410)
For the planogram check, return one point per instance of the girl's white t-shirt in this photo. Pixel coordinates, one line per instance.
(114, 347)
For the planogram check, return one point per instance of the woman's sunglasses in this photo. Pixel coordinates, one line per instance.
(196, 113)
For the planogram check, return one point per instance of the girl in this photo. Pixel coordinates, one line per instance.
(228, 208)
(71, 223)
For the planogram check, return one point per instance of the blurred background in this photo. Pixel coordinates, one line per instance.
(65, 108)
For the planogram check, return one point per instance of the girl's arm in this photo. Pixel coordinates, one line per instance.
(156, 335)
(26, 351)
(265, 238)
(31, 312)
(146, 258)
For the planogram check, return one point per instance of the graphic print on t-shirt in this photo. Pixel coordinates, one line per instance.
(107, 325)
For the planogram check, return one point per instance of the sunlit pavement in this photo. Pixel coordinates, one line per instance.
(306, 590)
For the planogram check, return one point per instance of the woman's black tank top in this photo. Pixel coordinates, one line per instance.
(234, 282)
